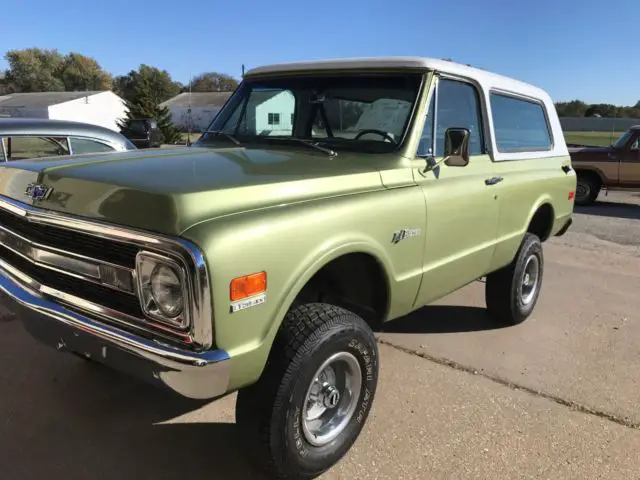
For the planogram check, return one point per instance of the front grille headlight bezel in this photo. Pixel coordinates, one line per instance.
(116, 246)
(147, 265)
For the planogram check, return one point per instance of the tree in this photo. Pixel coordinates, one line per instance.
(213, 82)
(39, 70)
(158, 82)
(79, 72)
(143, 99)
(574, 108)
(33, 70)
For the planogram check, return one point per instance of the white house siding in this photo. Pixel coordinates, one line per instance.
(282, 104)
(201, 117)
(104, 109)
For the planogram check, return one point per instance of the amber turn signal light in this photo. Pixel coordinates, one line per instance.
(247, 286)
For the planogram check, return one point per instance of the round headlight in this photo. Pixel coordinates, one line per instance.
(166, 289)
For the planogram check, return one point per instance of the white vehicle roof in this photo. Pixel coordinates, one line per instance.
(488, 79)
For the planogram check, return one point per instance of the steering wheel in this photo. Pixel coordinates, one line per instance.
(378, 132)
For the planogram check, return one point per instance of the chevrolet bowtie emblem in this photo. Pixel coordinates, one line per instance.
(38, 191)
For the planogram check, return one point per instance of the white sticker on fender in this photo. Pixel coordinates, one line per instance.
(248, 302)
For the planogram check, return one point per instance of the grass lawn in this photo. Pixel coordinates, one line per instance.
(194, 136)
(603, 139)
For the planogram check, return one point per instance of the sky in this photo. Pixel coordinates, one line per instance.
(574, 49)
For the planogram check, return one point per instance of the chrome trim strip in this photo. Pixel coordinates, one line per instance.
(188, 254)
(77, 266)
(199, 375)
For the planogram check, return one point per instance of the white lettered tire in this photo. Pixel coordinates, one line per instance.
(315, 394)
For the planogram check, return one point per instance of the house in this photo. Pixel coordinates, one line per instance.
(273, 112)
(200, 107)
(93, 107)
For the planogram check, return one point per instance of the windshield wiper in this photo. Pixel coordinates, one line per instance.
(316, 145)
(224, 134)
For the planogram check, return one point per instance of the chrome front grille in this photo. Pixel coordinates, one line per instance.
(91, 267)
(87, 245)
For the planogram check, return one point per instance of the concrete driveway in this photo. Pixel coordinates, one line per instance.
(459, 396)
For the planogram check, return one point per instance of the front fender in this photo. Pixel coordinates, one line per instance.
(292, 243)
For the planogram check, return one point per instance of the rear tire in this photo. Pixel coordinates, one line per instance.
(587, 189)
(511, 293)
(314, 396)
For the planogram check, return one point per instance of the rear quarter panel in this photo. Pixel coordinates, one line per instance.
(293, 242)
(529, 184)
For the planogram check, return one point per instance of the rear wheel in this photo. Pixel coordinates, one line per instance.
(587, 189)
(311, 402)
(512, 292)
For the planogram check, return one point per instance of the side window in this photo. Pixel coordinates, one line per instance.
(22, 147)
(459, 106)
(520, 125)
(85, 145)
(636, 144)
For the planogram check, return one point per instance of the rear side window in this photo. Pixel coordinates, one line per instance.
(85, 145)
(22, 147)
(520, 125)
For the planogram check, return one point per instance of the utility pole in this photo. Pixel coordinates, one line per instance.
(189, 114)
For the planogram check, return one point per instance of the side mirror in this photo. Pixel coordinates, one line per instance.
(456, 147)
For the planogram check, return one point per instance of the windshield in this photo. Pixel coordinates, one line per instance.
(623, 139)
(363, 113)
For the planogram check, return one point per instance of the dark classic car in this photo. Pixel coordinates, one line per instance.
(22, 138)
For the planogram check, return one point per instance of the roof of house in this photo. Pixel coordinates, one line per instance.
(486, 78)
(198, 99)
(41, 99)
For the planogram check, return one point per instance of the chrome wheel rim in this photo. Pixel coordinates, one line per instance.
(530, 277)
(331, 398)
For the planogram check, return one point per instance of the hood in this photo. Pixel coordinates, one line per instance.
(586, 149)
(169, 190)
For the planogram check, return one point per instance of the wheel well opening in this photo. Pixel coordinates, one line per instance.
(591, 175)
(356, 282)
(542, 222)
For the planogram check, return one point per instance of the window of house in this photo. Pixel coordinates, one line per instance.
(520, 125)
(22, 147)
(274, 119)
(86, 145)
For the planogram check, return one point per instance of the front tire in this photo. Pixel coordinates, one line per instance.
(314, 396)
(511, 293)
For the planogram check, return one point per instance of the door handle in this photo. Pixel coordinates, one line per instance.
(493, 180)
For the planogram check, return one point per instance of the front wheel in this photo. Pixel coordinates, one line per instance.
(312, 401)
(511, 293)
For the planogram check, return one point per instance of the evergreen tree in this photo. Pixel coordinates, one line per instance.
(143, 104)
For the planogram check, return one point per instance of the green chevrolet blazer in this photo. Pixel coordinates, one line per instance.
(324, 199)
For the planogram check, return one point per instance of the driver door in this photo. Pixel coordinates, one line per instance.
(629, 169)
(461, 201)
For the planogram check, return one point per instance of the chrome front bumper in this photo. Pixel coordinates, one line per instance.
(197, 375)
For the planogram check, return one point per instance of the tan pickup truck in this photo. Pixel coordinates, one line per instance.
(615, 167)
